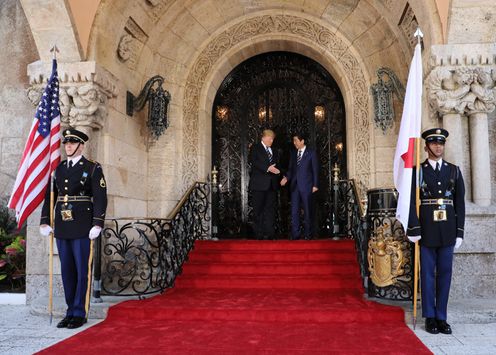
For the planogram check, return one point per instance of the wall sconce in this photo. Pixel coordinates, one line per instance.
(319, 113)
(262, 114)
(382, 94)
(157, 108)
(339, 147)
(222, 112)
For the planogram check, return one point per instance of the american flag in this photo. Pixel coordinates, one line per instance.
(41, 154)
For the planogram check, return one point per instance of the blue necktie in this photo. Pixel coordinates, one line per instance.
(298, 158)
(269, 154)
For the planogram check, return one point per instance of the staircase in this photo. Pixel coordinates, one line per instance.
(251, 297)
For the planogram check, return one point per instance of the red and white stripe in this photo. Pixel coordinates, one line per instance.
(40, 157)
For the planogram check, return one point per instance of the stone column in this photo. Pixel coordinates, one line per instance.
(479, 156)
(480, 102)
(85, 89)
(454, 149)
(447, 90)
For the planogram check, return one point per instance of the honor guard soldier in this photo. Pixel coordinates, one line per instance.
(438, 228)
(80, 195)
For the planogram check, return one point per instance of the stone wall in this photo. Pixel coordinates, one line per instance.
(16, 113)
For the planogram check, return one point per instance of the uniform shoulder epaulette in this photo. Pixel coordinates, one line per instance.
(94, 162)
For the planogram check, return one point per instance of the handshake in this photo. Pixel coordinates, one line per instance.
(272, 169)
(45, 231)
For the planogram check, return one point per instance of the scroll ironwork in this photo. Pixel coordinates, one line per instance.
(142, 256)
(382, 93)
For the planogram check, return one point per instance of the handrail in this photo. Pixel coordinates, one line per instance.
(357, 197)
(138, 256)
(183, 200)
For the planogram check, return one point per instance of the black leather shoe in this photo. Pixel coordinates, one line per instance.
(76, 322)
(443, 327)
(64, 322)
(431, 326)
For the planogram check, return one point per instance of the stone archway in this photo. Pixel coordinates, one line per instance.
(332, 51)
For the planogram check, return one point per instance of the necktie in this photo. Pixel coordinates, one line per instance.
(269, 154)
(298, 158)
(70, 164)
(437, 168)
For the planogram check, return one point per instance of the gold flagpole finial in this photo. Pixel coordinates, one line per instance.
(54, 51)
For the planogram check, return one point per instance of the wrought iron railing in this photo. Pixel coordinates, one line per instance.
(141, 256)
(349, 219)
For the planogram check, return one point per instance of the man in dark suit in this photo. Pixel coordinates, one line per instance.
(439, 228)
(303, 178)
(264, 182)
(80, 193)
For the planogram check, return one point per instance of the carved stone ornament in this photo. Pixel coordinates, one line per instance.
(126, 47)
(408, 24)
(385, 257)
(84, 91)
(285, 24)
(462, 90)
(89, 106)
(131, 43)
(156, 8)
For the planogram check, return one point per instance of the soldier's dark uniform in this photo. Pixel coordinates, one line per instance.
(441, 221)
(80, 203)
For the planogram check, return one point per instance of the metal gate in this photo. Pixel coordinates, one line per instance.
(287, 93)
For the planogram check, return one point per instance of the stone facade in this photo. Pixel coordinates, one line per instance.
(195, 44)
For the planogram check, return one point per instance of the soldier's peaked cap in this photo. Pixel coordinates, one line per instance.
(435, 135)
(73, 135)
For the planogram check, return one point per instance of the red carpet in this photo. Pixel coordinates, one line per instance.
(255, 297)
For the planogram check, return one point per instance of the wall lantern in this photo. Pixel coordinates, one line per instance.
(157, 108)
(319, 113)
(382, 94)
(222, 112)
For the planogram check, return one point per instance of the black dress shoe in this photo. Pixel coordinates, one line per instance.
(64, 322)
(431, 326)
(76, 322)
(443, 327)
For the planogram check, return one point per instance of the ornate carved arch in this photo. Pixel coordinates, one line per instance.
(272, 25)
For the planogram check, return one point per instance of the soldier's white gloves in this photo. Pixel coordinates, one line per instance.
(95, 232)
(458, 243)
(45, 230)
(414, 239)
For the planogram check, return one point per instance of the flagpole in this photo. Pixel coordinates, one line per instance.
(50, 260)
(416, 267)
(54, 51)
(417, 251)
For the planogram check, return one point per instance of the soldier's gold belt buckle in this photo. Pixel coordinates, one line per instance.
(440, 201)
(440, 215)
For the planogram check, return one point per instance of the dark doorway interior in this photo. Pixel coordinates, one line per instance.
(285, 92)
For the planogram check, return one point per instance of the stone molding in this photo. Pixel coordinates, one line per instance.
(85, 89)
(454, 55)
(283, 24)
